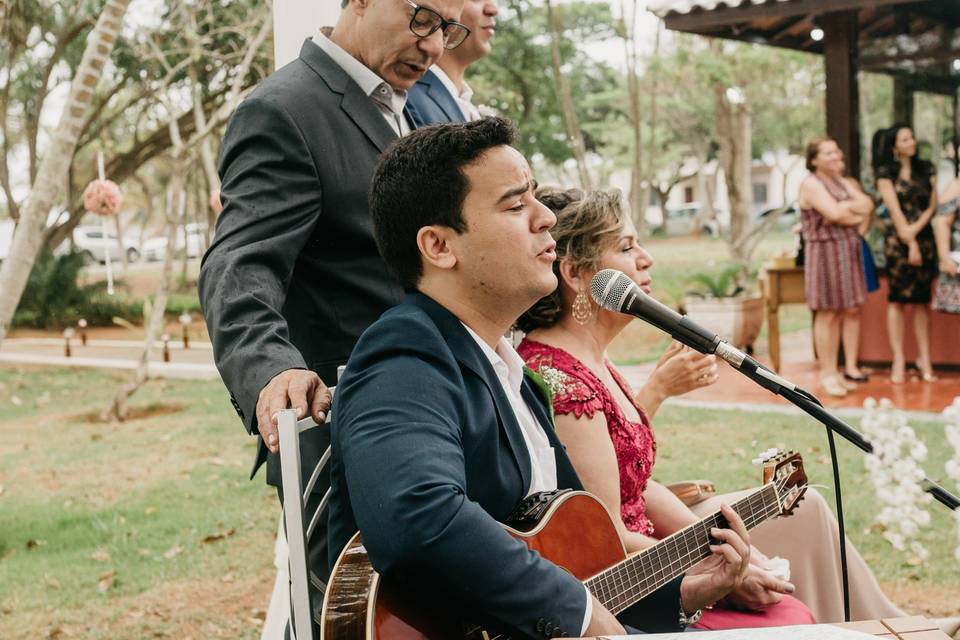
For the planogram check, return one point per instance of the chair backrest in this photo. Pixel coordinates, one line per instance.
(296, 494)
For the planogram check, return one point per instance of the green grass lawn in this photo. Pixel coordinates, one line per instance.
(734, 437)
(150, 528)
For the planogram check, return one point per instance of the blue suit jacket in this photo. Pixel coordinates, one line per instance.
(429, 102)
(428, 457)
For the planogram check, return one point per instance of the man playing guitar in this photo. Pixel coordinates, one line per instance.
(438, 433)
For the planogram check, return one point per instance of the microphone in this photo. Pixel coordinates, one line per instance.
(614, 291)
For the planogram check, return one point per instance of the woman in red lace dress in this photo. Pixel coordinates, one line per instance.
(606, 429)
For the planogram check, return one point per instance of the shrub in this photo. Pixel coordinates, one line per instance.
(53, 299)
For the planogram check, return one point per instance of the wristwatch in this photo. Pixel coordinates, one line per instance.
(693, 618)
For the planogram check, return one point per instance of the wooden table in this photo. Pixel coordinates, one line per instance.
(912, 628)
(780, 285)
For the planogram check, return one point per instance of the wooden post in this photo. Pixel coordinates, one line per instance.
(843, 97)
(902, 100)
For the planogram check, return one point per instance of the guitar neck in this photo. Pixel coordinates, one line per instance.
(629, 581)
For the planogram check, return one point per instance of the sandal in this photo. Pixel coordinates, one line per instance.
(860, 377)
(926, 373)
(898, 375)
(833, 386)
(846, 384)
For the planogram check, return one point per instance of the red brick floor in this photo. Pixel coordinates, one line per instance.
(798, 366)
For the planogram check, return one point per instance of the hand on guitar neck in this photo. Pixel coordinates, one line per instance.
(721, 572)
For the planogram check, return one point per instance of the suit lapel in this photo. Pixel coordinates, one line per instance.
(442, 98)
(468, 354)
(358, 106)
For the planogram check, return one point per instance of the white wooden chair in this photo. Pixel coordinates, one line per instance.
(296, 494)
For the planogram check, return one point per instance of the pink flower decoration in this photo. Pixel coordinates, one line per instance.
(102, 197)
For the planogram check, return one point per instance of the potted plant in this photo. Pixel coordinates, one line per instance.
(722, 305)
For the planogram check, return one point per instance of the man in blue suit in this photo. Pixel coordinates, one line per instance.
(442, 95)
(437, 433)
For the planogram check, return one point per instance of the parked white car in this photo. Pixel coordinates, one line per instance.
(91, 242)
(192, 237)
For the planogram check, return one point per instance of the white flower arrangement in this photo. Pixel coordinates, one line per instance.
(555, 379)
(952, 466)
(895, 473)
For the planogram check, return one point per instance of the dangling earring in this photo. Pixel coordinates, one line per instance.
(582, 311)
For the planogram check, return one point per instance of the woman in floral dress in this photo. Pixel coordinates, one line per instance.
(908, 186)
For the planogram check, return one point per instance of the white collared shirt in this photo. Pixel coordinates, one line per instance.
(543, 461)
(389, 101)
(464, 98)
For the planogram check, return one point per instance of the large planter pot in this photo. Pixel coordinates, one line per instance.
(736, 320)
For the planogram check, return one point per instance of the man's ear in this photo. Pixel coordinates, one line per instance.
(435, 248)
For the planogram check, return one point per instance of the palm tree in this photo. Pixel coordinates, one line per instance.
(53, 170)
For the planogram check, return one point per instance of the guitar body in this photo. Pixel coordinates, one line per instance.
(571, 529)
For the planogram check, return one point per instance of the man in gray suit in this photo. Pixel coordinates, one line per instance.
(293, 275)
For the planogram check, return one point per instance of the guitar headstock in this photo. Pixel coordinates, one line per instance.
(785, 470)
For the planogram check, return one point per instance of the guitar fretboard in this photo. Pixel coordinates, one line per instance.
(627, 582)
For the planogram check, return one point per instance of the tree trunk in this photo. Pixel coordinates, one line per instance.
(52, 174)
(566, 102)
(638, 194)
(733, 133)
(117, 411)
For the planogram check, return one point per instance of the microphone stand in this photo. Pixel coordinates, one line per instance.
(809, 404)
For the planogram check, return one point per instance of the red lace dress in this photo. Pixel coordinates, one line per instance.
(578, 391)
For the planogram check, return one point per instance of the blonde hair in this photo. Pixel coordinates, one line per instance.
(588, 225)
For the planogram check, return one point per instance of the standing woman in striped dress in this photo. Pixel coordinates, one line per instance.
(831, 208)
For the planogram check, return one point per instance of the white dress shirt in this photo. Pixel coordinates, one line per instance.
(389, 101)
(464, 98)
(543, 461)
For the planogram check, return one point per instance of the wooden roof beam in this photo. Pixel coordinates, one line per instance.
(696, 21)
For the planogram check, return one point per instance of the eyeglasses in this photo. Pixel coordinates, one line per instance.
(426, 21)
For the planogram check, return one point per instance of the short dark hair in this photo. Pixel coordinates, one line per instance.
(420, 182)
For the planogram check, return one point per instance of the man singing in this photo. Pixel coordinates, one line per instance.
(437, 433)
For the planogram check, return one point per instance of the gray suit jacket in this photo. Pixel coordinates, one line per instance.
(293, 275)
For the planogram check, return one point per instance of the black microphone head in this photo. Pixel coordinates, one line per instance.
(609, 289)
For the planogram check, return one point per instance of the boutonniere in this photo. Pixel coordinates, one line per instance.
(549, 382)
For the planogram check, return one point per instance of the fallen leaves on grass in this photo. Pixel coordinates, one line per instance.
(16, 401)
(220, 535)
(173, 552)
(149, 511)
(9, 554)
(32, 544)
(51, 581)
(2, 489)
(101, 555)
(106, 581)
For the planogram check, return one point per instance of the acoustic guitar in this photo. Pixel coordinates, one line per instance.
(571, 529)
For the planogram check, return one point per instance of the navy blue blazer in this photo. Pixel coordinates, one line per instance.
(428, 457)
(429, 102)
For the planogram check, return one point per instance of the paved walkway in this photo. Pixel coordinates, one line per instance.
(193, 363)
(732, 390)
(798, 366)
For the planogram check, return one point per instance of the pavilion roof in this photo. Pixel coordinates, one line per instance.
(915, 38)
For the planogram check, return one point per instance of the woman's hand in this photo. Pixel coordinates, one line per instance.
(906, 234)
(682, 369)
(949, 267)
(914, 257)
